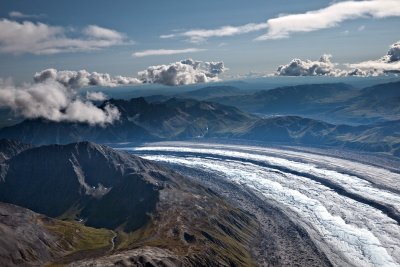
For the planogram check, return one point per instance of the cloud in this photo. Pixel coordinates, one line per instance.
(329, 17)
(187, 71)
(200, 35)
(161, 52)
(322, 67)
(215, 68)
(388, 63)
(298, 67)
(82, 78)
(39, 38)
(184, 72)
(393, 55)
(100, 33)
(20, 15)
(55, 102)
(96, 96)
(284, 25)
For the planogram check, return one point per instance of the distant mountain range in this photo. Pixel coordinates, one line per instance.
(381, 137)
(140, 121)
(178, 118)
(337, 102)
(134, 204)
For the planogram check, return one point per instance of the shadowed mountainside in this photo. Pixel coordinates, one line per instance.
(29, 238)
(144, 203)
(84, 179)
(10, 148)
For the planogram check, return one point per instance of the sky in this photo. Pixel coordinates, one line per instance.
(126, 37)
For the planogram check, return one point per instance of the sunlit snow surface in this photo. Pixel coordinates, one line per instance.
(343, 227)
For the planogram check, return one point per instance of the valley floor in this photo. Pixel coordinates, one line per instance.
(315, 206)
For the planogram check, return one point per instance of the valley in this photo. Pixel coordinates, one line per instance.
(349, 209)
(200, 133)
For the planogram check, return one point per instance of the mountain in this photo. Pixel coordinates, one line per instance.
(200, 94)
(373, 104)
(140, 121)
(380, 137)
(10, 148)
(336, 103)
(178, 119)
(304, 99)
(8, 117)
(85, 180)
(141, 203)
(41, 131)
(32, 239)
(211, 91)
(289, 129)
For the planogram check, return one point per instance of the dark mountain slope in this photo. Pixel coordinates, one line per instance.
(10, 148)
(40, 131)
(144, 203)
(31, 239)
(85, 179)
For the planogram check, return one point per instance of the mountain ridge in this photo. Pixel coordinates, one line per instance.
(180, 119)
(144, 204)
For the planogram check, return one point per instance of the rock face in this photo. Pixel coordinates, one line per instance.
(22, 239)
(28, 238)
(10, 148)
(83, 181)
(146, 256)
(154, 215)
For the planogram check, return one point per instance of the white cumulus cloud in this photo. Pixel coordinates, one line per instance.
(388, 63)
(298, 67)
(96, 96)
(53, 101)
(39, 38)
(82, 78)
(322, 67)
(183, 72)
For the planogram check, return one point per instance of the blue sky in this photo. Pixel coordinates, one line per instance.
(143, 22)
